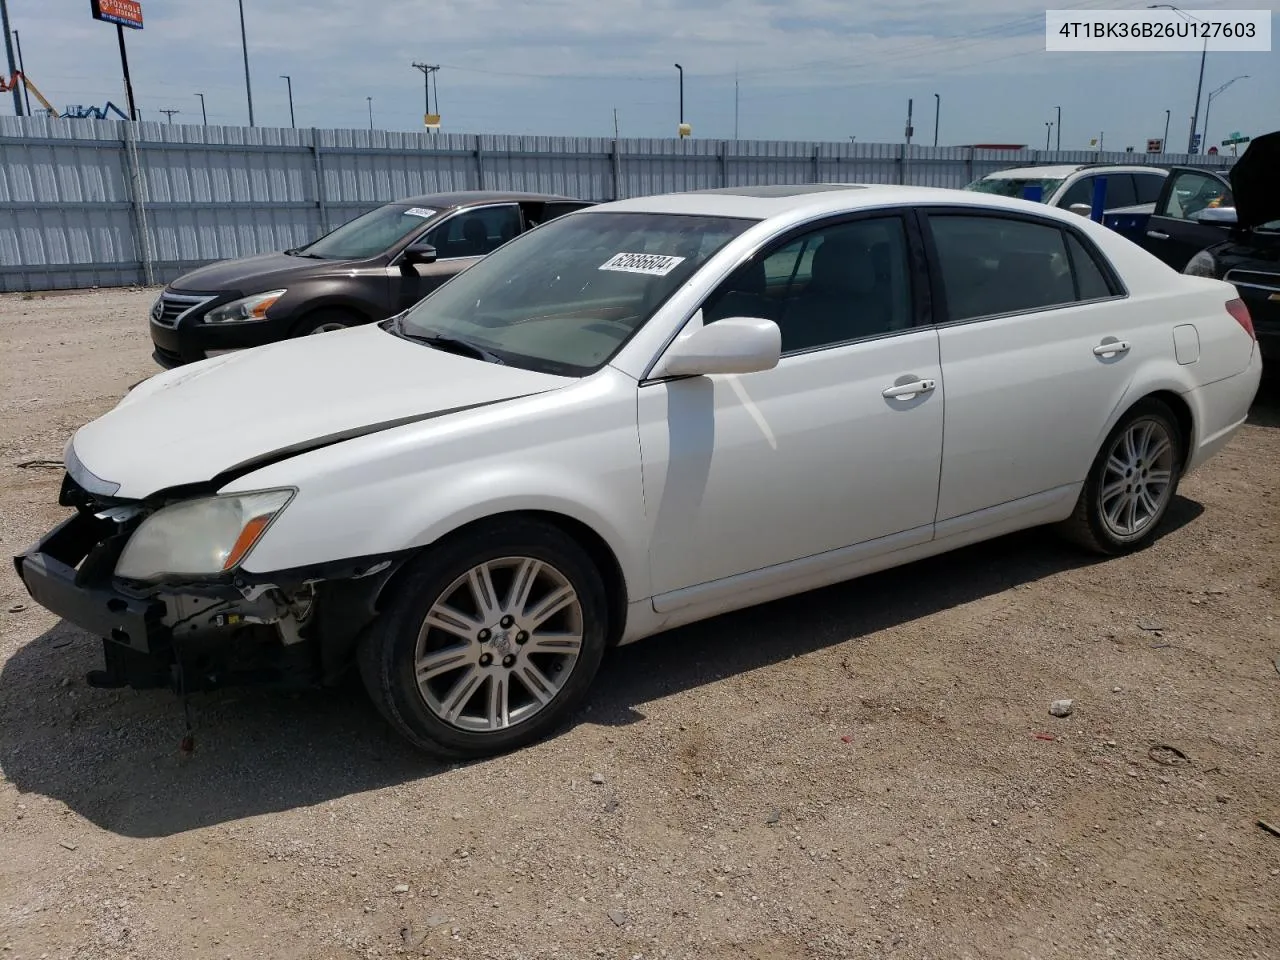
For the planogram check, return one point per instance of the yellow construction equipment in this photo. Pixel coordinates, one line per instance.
(11, 83)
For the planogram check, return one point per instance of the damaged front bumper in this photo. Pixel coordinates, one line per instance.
(291, 628)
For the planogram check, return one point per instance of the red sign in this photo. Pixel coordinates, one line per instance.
(127, 13)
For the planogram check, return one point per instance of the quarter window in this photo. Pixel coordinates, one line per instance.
(998, 265)
(838, 283)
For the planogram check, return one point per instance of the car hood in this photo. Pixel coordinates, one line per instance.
(224, 416)
(250, 275)
(1255, 182)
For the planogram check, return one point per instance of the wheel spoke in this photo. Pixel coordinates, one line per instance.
(1113, 490)
(564, 643)
(1159, 478)
(1116, 465)
(1148, 503)
(1158, 449)
(486, 598)
(522, 586)
(442, 661)
(536, 682)
(444, 617)
(552, 604)
(1116, 510)
(499, 711)
(1130, 448)
(1131, 514)
(461, 693)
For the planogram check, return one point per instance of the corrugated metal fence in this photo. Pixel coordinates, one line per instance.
(109, 203)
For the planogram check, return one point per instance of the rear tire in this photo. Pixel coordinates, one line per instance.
(490, 640)
(1131, 484)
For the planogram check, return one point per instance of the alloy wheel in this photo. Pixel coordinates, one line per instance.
(1137, 481)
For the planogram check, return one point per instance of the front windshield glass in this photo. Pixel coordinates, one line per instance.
(370, 234)
(1013, 186)
(565, 297)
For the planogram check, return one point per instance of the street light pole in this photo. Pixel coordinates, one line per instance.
(244, 46)
(204, 115)
(937, 109)
(289, 81)
(1209, 103)
(1058, 143)
(370, 99)
(8, 49)
(1204, 51)
(1164, 144)
(681, 69)
(1048, 132)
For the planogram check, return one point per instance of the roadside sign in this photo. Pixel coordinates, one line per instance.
(124, 13)
(1235, 138)
(1155, 145)
(1213, 151)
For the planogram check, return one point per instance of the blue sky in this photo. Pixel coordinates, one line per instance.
(806, 69)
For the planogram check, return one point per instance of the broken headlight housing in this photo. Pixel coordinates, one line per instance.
(200, 538)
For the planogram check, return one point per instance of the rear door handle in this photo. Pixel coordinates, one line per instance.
(1157, 235)
(905, 391)
(1112, 348)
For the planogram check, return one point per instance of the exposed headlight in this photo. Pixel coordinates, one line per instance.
(200, 538)
(240, 311)
(1201, 265)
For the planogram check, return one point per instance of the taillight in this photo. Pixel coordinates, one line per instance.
(1240, 311)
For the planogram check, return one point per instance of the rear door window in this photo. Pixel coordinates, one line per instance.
(1149, 186)
(998, 265)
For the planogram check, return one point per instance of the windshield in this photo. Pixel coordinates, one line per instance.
(1014, 186)
(565, 297)
(370, 234)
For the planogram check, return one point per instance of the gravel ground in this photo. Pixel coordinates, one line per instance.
(871, 770)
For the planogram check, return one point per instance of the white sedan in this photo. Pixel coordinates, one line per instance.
(634, 417)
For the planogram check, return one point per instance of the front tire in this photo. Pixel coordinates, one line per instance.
(324, 321)
(490, 640)
(1132, 482)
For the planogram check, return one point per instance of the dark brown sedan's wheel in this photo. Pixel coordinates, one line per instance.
(1132, 482)
(489, 640)
(324, 321)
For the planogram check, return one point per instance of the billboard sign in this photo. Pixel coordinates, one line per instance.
(125, 13)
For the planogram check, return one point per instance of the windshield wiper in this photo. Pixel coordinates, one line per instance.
(448, 344)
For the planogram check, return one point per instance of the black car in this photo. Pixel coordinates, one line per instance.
(1227, 226)
(366, 270)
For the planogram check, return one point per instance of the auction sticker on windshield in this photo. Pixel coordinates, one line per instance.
(419, 212)
(653, 264)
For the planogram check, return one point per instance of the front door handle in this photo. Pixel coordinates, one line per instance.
(1157, 235)
(905, 391)
(1111, 348)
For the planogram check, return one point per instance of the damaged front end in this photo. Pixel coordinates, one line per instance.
(293, 628)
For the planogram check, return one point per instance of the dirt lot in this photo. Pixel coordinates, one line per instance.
(866, 771)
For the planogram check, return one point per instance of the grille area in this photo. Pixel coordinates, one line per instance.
(1254, 278)
(172, 307)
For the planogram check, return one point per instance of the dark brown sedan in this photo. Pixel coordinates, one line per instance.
(366, 270)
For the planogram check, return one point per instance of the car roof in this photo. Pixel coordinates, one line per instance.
(764, 203)
(1063, 170)
(469, 198)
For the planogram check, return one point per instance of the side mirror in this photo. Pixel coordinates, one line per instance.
(1081, 208)
(732, 345)
(420, 253)
(1216, 216)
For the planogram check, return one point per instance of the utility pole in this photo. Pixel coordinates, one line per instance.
(289, 81)
(204, 116)
(428, 70)
(937, 109)
(910, 129)
(615, 123)
(1058, 143)
(244, 46)
(169, 114)
(1164, 144)
(370, 99)
(8, 49)
(26, 92)
(735, 104)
